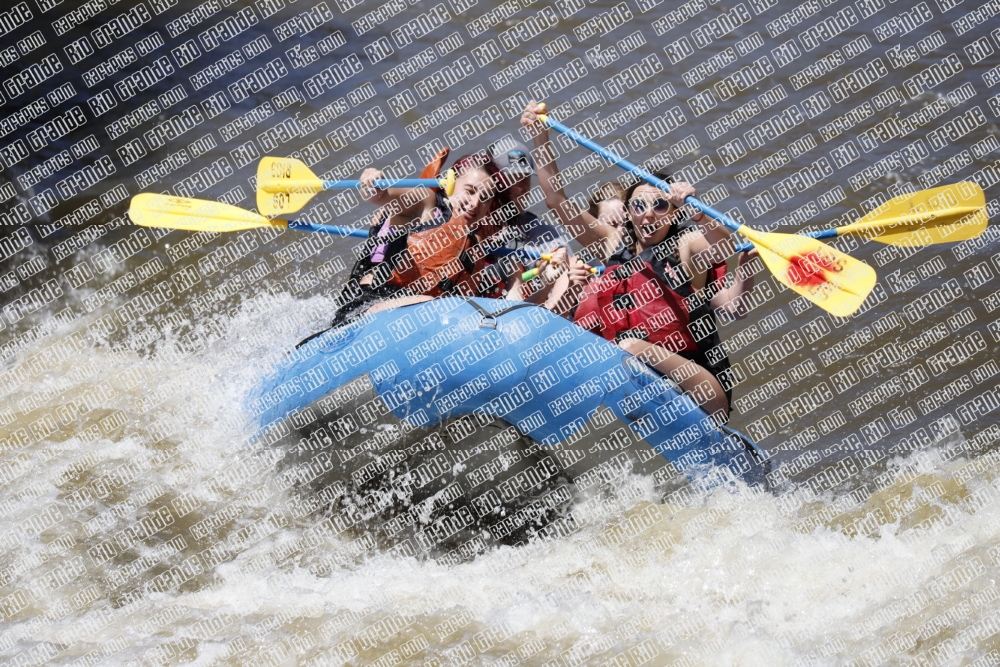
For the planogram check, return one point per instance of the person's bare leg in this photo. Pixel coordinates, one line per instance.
(693, 378)
(396, 303)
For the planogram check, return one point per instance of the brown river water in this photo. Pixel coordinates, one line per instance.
(141, 525)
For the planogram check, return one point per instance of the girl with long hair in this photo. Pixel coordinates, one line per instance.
(599, 228)
(652, 299)
(420, 245)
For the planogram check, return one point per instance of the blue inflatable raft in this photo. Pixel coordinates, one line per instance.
(461, 417)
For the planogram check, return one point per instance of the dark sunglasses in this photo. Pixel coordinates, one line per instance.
(660, 205)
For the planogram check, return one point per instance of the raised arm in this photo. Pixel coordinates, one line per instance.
(733, 299)
(406, 206)
(716, 233)
(692, 248)
(587, 229)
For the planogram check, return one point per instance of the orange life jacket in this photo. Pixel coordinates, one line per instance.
(444, 260)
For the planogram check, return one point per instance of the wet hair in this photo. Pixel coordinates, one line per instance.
(475, 161)
(484, 162)
(630, 236)
(604, 192)
(662, 175)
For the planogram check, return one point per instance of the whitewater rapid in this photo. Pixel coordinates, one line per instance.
(153, 530)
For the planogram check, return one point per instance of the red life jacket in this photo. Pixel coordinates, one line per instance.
(650, 297)
(645, 297)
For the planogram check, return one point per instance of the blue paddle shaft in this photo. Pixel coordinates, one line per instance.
(663, 185)
(337, 230)
(824, 234)
(385, 183)
(639, 171)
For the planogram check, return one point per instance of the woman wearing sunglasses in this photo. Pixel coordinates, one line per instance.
(652, 300)
(600, 229)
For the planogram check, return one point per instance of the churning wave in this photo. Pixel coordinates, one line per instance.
(142, 522)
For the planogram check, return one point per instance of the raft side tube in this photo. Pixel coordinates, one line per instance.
(505, 406)
(442, 359)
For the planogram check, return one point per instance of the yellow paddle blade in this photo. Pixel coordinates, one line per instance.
(284, 185)
(946, 214)
(835, 282)
(195, 215)
(447, 181)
